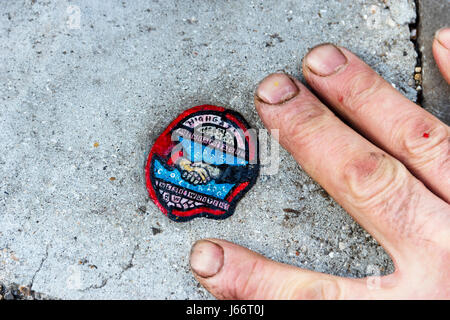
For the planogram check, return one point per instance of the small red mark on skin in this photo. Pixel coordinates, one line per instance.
(341, 98)
(426, 135)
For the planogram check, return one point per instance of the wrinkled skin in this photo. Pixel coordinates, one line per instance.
(390, 171)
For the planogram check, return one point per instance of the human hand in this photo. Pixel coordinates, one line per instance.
(197, 172)
(391, 172)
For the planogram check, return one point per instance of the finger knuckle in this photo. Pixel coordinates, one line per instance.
(372, 177)
(302, 126)
(318, 290)
(382, 187)
(360, 89)
(425, 142)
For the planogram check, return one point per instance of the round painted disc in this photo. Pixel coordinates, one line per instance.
(202, 164)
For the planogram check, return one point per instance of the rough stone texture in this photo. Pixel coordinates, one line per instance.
(433, 15)
(15, 292)
(68, 231)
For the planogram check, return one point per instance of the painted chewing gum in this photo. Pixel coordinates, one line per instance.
(202, 164)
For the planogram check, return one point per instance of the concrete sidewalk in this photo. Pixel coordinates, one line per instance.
(86, 87)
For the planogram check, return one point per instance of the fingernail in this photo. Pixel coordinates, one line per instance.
(277, 88)
(325, 60)
(206, 258)
(443, 36)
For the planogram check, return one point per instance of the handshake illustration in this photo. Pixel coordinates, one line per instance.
(197, 172)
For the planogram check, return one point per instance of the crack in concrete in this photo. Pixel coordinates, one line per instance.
(415, 40)
(30, 286)
(130, 262)
(97, 286)
(118, 275)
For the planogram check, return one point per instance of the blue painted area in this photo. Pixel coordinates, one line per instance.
(173, 176)
(197, 152)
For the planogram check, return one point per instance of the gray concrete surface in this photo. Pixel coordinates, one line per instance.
(82, 105)
(433, 15)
